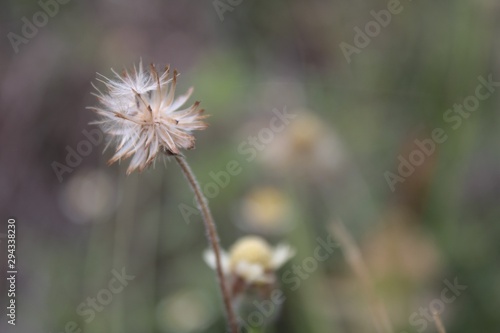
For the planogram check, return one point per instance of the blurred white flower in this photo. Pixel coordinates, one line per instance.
(252, 259)
(265, 210)
(88, 196)
(186, 311)
(306, 147)
(141, 114)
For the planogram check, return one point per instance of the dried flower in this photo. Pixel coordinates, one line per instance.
(252, 259)
(251, 269)
(141, 114)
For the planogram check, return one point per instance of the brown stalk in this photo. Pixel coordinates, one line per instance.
(213, 239)
(438, 323)
(353, 256)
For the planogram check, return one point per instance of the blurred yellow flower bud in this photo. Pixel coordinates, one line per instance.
(251, 249)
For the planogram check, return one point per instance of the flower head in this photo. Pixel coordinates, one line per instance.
(252, 259)
(266, 210)
(141, 114)
(306, 147)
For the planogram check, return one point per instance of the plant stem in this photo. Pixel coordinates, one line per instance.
(354, 258)
(438, 323)
(124, 225)
(213, 239)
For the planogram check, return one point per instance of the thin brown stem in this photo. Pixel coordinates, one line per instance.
(439, 324)
(213, 239)
(354, 258)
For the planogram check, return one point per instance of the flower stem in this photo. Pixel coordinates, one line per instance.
(213, 239)
(354, 258)
(438, 323)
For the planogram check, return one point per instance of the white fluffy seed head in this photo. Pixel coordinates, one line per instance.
(140, 113)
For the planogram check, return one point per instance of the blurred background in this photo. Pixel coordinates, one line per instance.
(360, 101)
